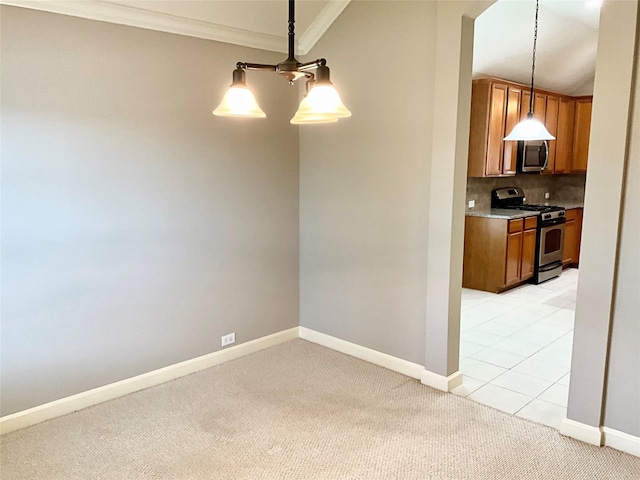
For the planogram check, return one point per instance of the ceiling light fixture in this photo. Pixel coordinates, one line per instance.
(321, 103)
(530, 128)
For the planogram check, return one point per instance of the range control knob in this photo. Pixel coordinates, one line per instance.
(561, 213)
(546, 216)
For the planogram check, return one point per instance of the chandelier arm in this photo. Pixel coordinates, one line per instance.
(311, 80)
(256, 66)
(303, 67)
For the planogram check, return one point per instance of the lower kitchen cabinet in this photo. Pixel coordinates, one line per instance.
(498, 253)
(572, 235)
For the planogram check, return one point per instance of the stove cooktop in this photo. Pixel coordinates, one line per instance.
(513, 198)
(535, 208)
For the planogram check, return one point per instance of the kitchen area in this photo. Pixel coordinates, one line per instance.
(523, 219)
(521, 258)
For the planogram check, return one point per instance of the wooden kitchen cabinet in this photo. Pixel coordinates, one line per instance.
(514, 107)
(582, 132)
(551, 122)
(572, 236)
(497, 106)
(528, 260)
(539, 105)
(564, 138)
(498, 253)
(495, 109)
(514, 252)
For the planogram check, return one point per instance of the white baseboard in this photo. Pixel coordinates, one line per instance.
(395, 364)
(440, 382)
(57, 408)
(581, 431)
(621, 441)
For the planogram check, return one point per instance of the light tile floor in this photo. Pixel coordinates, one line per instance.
(515, 348)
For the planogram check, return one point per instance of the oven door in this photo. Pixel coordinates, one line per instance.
(551, 244)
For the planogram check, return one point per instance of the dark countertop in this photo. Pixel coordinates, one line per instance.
(500, 213)
(570, 205)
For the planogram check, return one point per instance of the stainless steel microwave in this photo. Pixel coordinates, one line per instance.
(533, 156)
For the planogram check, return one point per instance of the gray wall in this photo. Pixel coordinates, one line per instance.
(604, 365)
(364, 182)
(622, 407)
(136, 227)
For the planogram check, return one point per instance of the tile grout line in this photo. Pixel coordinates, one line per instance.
(541, 323)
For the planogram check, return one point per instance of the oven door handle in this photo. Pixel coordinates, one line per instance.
(555, 221)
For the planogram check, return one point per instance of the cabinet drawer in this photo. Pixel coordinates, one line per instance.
(515, 225)
(572, 214)
(530, 222)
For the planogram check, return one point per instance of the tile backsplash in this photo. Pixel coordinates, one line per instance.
(568, 188)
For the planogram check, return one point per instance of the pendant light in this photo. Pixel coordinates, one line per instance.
(530, 128)
(322, 101)
(239, 101)
(321, 104)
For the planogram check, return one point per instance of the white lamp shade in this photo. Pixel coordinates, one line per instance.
(306, 120)
(321, 105)
(529, 129)
(239, 102)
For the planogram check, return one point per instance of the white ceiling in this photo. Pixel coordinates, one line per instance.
(251, 23)
(566, 48)
(567, 35)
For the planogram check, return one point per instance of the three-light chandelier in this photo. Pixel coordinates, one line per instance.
(320, 104)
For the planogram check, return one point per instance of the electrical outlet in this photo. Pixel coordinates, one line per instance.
(547, 195)
(472, 203)
(228, 339)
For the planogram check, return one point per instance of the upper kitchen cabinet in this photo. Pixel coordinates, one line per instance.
(495, 109)
(582, 131)
(551, 122)
(539, 105)
(564, 138)
(498, 105)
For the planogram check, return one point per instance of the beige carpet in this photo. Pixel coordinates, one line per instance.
(300, 411)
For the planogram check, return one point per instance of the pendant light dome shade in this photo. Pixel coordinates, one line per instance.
(322, 104)
(239, 101)
(310, 119)
(530, 129)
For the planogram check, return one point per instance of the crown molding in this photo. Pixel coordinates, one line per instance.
(135, 17)
(104, 11)
(320, 25)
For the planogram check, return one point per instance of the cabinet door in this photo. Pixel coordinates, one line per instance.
(564, 141)
(528, 254)
(572, 233)
(569, 253)
(582, 132)
(495, 144)
(512, 119)
(579, 213)
(525, 104)
(551, 122)
(539, 106)
(514, 250)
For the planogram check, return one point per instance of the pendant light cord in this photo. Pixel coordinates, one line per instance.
(533, 62)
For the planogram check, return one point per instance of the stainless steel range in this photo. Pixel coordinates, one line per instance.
(550, 230)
